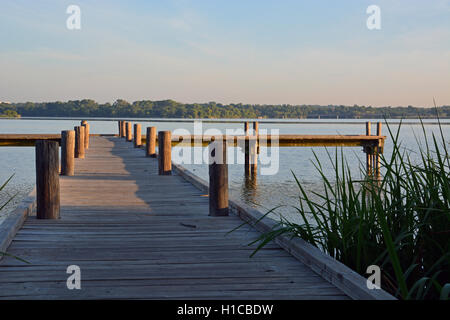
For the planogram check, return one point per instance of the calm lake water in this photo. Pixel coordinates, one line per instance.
(268, 191)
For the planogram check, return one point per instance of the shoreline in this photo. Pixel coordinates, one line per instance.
(408, 121)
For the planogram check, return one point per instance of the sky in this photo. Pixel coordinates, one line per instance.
(233, 51)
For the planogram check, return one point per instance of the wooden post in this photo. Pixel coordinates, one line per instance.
(246, 151)
(254, 150)
(47, 179)
(86, 134)
(368, 151)
(119, 124)
(255, 128)
(218, 180)
(129, 133)
(124, 129)
(368, 128)
(378, 152)
(67, 153)
(164, 153)
(137, 135)
(150, 145)
(79, 142)
(256, 133)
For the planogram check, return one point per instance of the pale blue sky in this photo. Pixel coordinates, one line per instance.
(265, 51)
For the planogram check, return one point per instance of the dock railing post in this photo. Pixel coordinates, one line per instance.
(129, 133)
(218, 179)
(79, 142)
(150, 145)
(124, 130)
(378, 152)
(254, 150)
(256, 133)
(86, 126)
(67, 152)
(47, 179)
(246, 150)
(137, 135)
(164, 153)
(368, 150)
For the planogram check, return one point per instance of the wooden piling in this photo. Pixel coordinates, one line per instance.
(378, 152)
(137, 135)
(164, 153)
(67, 152)
(255, 128)
(150, 145)
(119, 124)
(47, 179)
(218, 180)
(247, 168)
(124, 129)
(129, 134)
(254, 149)
(86, 135)
(253, 155)
(368, 151)
(246, 128)
(79, 142)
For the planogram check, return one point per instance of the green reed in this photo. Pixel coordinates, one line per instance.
(401, 222)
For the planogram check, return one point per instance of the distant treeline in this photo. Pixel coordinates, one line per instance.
(173, 109)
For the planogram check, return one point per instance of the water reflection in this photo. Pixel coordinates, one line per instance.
(269, 191)
(249, 190)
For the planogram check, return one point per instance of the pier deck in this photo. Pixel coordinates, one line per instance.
(138, 235)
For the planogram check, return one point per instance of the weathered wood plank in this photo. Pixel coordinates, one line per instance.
(139, 235)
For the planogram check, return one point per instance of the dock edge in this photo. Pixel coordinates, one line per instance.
(15, 220)
(335, 272)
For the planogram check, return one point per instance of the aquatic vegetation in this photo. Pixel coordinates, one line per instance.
(400, 222)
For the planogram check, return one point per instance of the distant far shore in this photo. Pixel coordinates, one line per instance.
(169, 109)
(412, 121)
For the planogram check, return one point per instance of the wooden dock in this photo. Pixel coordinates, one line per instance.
(139, 235)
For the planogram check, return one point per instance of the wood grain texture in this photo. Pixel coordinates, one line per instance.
(164, 152)
(150, 144)
(15, 220)
(68, 153)
(255, 127)
(79, 142)
(137, 135)
(283, 140)
(218, 180)
(322, 264)
(128, 132)
(138, 235)
(47, 180)
(86, 134)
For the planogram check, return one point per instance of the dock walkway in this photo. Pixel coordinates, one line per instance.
(138, 235)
